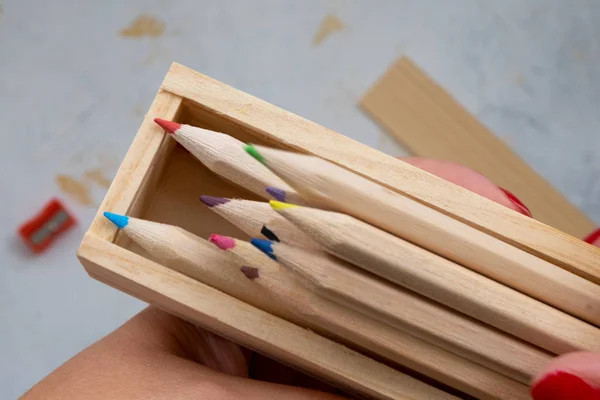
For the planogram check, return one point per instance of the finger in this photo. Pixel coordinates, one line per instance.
(177, 336)
(471, 180)
(570, 376)
(477, 183)
(594, 238)
(219, 354)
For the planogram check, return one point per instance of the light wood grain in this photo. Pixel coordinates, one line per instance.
(345, 191)
(443, 281)
(436, 324)
(225, 156)
(316, 312)
(430, 123)
(192, 256)
(247, 325)
(141, 168)
(241, 111)
(195, 257)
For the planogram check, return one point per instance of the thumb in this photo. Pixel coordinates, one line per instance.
(470, 180)
(570, 376)
(574, 375)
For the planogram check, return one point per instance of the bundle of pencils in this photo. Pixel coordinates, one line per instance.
(378, 272)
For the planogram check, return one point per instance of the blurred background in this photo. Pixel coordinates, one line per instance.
(77, 77)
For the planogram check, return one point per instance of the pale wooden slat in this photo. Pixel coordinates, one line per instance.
(340, 282)
(286, 297)
(141, 167)
(430, 123)
(343, 191)
(443, 281)
(247, 325)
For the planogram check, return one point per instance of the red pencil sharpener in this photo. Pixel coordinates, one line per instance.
(42, 230)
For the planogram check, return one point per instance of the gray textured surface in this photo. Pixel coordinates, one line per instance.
(72, 93)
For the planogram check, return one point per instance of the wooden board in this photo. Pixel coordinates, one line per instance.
(430, 123)
(141, 169)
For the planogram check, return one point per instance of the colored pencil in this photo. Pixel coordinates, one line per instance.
(225, 156)
(321, 181)
(184, 252)
(315, 312)
(197, 258)
(442, 280)
(341, 282)
(258, 219)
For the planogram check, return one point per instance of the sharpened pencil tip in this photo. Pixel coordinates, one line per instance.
(222, 242)
(278, 205)
(269, 234)
(276, 193)
(250, 149)
(120, 221)
(265, 246)
(211, 201)
(250, 272)
(169, 126)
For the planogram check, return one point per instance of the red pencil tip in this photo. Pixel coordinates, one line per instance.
(169, 126)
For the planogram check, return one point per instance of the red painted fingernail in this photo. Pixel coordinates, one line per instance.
(522, 208)
(561, 385)
(592, 237)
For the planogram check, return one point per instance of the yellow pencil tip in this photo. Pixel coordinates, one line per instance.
(279, 205)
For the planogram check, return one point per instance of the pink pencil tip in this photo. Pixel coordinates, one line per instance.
(169, 126)
(222, 242)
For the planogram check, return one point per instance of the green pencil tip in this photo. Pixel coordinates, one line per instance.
(250, 149)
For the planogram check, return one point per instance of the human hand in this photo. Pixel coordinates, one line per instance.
(157, 355)
(570, 376)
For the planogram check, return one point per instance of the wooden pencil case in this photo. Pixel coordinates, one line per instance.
(160, 181)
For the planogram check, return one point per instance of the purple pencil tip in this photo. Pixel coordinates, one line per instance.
(277, 194)
(211, 201)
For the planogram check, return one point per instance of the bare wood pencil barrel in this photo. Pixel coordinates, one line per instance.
(161, 181)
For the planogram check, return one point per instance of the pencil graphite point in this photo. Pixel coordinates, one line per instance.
(250, 149)
(211, 201)
(120, 221)
(265, 246)
(269, 234)
(251, 273)
(278, 205)
(169, 126)
(278, 194)
(222, 242)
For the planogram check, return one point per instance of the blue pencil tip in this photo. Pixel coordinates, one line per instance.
(265, 246)
(120, 221)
